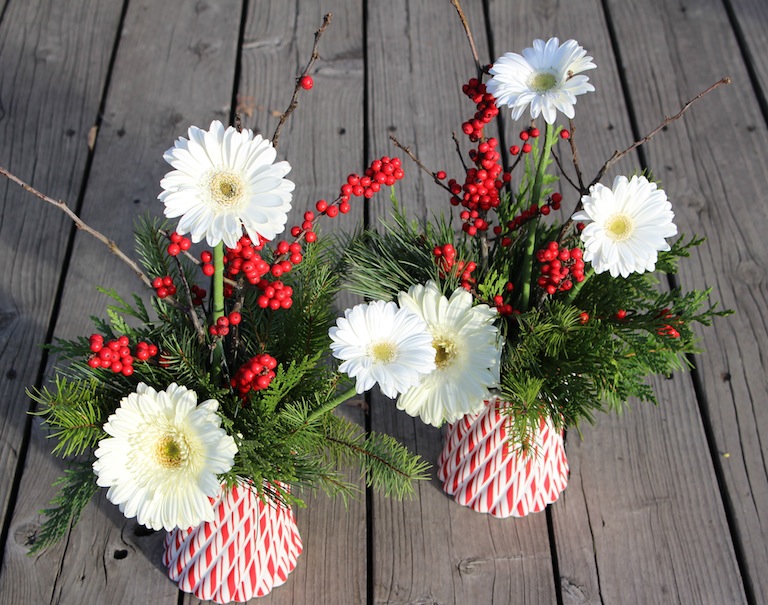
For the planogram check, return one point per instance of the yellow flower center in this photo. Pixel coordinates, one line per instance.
(226, 188)
(169, 453)
(445, 352)
(619, 227)
(543, 81)
(383, 352)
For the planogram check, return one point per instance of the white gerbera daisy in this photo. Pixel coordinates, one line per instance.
(467, 355)
(380, 343)
(629, 224)
(544, 77)
(225, 180)
(161, 461)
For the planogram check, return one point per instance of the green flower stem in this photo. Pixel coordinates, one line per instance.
(217, 355)
(218, 281)
(530, 248)
(332, 404)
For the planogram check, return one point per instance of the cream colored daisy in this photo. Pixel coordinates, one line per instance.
(627, 225)
(382, 344)
(162, 459)
(224, 181)
(544, 77)
(467, 353)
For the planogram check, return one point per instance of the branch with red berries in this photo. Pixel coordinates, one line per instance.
(304, 81)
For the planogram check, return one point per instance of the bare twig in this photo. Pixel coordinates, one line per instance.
(417, 161)
(192, 313)
(458, 151)
(468, 32)
(575, 156)
(563, 173)
(620, 154)
(295, 98)
(80, 224)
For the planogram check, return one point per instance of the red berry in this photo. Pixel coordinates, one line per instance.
(307, 82)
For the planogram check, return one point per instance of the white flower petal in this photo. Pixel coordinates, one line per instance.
(381, 344)
(468, 355)
(543, 78)
(225, 181)
(644, 218)
(162, 459)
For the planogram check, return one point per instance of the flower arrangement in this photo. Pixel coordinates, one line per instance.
(538, 322)
(210, 407)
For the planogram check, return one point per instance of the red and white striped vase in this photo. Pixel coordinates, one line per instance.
(481, 469)
(248, 549)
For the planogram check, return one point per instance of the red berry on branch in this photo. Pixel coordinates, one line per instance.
(307, 82)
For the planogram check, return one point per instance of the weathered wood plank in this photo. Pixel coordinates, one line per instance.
(720, 179)
(53, 64)
(430, 549)
(751, 22)
(323, 141)
(175, 67)
(642, 485)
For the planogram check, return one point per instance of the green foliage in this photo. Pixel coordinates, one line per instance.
(75, 414)
(289, 441)
(554, 362)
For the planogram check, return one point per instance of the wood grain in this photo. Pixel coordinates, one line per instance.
(714, 182)
(150, 102)
(53, 66)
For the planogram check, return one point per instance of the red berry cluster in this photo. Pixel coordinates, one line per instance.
(243, 258)
(223, 323)
(525, 136)
(504, 308)
(384, 171)
(254, 375)
(275, 295)
(116, 354)
(667, 329)
(552, 203)
(560, 268)
(480, 191)
(164, 286)
(486, 109)
(445, 257)
(178, 244)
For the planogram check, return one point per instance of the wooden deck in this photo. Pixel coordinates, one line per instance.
(664, 505)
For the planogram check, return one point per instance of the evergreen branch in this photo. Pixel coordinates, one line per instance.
(74, 412)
